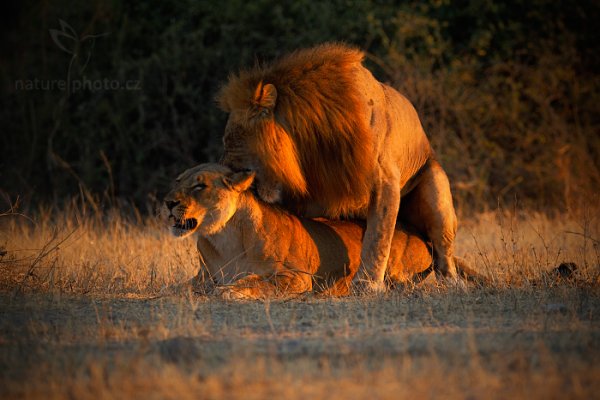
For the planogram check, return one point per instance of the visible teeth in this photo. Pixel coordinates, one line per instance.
(186, 224)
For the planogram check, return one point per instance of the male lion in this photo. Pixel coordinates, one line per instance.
(327, 139)
(259, 250)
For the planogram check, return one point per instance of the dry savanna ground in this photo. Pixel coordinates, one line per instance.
(83, 315)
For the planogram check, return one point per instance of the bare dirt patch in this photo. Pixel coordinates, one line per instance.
(85, 319)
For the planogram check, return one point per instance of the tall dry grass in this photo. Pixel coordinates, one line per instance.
(82, 315)
(83, 251)
(79, 250)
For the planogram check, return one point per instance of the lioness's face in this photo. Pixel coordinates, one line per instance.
(203, 199)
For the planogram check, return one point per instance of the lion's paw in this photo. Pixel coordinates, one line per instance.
(368, 287)
(453, 282)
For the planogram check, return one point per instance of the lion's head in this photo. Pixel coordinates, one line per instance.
(299, 123)
(203, 199)
(254, 140)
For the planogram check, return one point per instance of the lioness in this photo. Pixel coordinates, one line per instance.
(327, 139)
(261, 251)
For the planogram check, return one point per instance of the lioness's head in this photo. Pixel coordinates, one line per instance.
(203, 199)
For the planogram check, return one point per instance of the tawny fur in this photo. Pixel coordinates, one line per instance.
(330, 141)
(259, 251)
(327, 139)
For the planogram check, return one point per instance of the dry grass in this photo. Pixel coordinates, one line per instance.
(80, 318)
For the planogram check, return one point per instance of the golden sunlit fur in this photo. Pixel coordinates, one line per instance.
(325, 138)
(310, 127)
(260, 251)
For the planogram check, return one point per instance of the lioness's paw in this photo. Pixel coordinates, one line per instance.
(231, 293)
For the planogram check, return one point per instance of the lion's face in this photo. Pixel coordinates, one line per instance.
(203, 199)
(241, 136)
(258, 140)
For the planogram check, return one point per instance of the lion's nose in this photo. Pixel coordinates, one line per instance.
(171, 204)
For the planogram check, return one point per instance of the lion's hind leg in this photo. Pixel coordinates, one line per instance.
(429, 208)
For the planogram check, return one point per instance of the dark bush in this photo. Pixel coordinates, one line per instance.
(508, 91)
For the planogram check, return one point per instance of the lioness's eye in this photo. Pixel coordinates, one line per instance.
(199, 186)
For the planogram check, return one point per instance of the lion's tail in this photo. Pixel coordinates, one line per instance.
(466, 271)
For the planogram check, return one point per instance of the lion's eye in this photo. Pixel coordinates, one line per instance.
(199, 186)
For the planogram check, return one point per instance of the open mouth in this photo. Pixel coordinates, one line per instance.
(187, 224)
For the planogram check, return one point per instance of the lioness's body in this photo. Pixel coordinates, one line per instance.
(327, 139)
(261, 251)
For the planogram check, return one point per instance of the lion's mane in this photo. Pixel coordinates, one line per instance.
(317, 145)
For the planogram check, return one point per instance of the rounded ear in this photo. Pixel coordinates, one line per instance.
(265, 96)
(239, 181)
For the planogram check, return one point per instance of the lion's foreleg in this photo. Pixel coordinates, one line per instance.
(381, 222)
